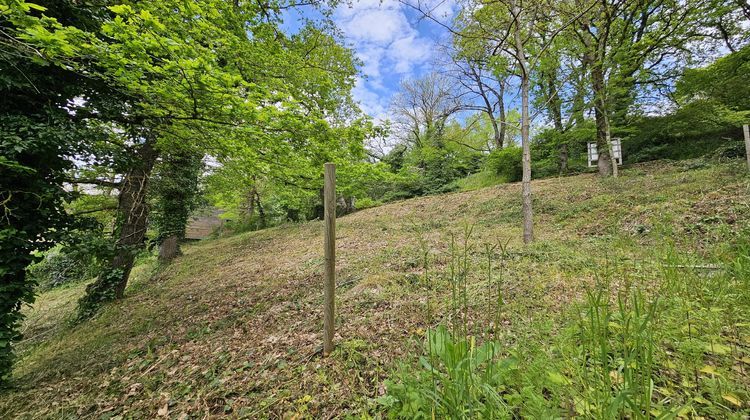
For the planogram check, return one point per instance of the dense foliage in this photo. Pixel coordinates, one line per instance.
(119, 120)
(102, 95)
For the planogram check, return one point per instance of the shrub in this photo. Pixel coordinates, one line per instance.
(58, 268)
(366, 203)
(506, 163)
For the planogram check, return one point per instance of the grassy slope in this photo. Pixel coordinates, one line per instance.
(233, 326)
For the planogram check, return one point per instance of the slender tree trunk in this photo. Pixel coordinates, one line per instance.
(261, 212)
(600, 115)
(555, 109)
(349, 206)
(609, 146)
(498, 138)
(563, 158)
(498, 127)
(133, 211)
(501, 116)
(251, 203)
(528, 217)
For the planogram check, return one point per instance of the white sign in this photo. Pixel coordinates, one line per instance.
(593, 153)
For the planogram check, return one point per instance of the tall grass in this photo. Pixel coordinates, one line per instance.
(658, 339)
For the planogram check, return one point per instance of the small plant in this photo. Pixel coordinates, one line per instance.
(457, 379)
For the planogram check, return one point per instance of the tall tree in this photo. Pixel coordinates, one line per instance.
(176, 197)
(38, 138)
(481, 87)
(213, 74)
(422, 108)
(627, 44)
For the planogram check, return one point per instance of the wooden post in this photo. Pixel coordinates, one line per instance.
(746, 129)
(329, 203)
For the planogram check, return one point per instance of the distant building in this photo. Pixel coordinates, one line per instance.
(204, 223)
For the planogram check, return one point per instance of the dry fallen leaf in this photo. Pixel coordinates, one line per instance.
(164, 410)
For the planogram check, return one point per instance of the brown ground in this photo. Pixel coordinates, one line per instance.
(233, 327)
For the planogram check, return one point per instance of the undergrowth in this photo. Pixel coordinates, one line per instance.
(667, 338)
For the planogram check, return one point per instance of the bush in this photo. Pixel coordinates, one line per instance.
(506, 163)
(58, 268)
(366, 203)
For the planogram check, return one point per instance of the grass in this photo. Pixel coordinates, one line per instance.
(234, 326)
(482, 179)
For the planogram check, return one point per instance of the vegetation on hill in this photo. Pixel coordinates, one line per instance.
(632, 302)
(122, 119)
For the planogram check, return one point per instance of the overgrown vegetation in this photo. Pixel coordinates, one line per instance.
(618, 249)
(119, 120)
(653, 338)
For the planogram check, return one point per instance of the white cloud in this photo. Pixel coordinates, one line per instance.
(388, 45)
(373, 103)
(375, 25)
(410, 51)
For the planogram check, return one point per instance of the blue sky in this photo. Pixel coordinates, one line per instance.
(393, 43)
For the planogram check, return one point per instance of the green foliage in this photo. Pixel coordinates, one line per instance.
(481, 179)
(456, 379)
(725, 82)
(693, 130)
(175, 186)
(506, 163)
(103, 290)
(80, 256)
(186, 75)
(713, 106)
(37, 140)
(32, 216)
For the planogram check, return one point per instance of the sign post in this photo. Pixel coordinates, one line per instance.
(329, 203)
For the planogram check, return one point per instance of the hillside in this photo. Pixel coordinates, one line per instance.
(233, 327)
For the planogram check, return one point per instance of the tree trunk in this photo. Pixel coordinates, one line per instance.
(609, 147)
(563, 158)
(169, 248)
(555, 109)
(261, 212)
(349, 206)
(528, 220)
(498, 127)
(600, 115)
(133, 213)
(501, 114)
(251, 203)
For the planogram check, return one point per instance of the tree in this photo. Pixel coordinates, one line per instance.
(627, 44)
(560, 90)
(38, 140)
(214, 75)
(513, 29)
(422, 108)
(724, 82)
(176, 191)
(482, 86)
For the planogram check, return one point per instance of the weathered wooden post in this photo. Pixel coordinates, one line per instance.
(746, 129)
(329, 203)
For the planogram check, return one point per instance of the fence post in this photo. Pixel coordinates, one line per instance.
(330, 254)
(746, 129)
